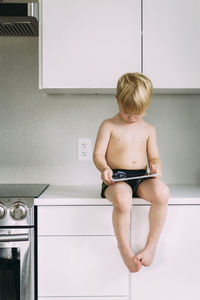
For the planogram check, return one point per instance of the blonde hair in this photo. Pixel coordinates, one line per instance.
(134, 91)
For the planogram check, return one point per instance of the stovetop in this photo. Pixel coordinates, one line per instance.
(22, 190)
(17, 203)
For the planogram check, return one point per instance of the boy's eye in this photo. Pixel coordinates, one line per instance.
(133, 115)
(127, 113)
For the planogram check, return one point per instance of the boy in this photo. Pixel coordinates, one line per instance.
(126, 142)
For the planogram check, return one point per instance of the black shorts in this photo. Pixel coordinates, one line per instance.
(133, 183)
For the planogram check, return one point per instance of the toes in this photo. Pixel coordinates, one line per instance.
(137, 261)
(136, 264)
(138, 258)
(145, 263)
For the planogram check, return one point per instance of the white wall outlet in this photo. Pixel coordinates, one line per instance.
(84, 149)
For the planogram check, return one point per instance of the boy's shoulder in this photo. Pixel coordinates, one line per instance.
(149, 128)
(109, 122)
(148, 125)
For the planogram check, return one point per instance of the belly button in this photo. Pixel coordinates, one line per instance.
(134, 162)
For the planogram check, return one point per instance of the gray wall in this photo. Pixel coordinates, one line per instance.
(38, 132)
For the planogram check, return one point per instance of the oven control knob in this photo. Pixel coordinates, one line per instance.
(18, 211)
(2, 211)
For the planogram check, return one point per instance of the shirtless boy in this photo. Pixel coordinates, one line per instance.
(127, 142)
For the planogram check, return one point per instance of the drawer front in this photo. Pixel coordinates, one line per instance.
(84, 298)
(76, 266)
(75, 220)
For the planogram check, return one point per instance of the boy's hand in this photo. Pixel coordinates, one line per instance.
(106, 176)
(156, 170)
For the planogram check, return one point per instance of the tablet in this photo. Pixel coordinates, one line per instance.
(135, 177)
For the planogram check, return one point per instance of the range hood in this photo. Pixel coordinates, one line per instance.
(18, 19)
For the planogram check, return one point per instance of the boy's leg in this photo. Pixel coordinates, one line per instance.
(157, 192)
(120, 194)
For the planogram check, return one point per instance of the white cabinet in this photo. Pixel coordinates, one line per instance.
(85, 46)
(75, 220)
(81, 266)
(175, 271)
(84, 298)
(171, 43)
(88, 44)
(77, 256)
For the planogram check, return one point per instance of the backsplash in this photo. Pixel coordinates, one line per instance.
(39, 132)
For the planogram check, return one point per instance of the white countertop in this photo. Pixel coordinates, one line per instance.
(90, 195)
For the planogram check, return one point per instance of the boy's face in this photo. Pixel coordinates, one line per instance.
(129, 117)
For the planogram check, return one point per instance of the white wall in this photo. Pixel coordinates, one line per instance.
(38, 132)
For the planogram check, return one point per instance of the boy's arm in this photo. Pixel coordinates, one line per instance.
(153, 154)
(99, 155)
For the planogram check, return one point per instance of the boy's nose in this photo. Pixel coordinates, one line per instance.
(132, 118)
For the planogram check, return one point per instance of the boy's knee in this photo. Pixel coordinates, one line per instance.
(123, 203)
(162, 195)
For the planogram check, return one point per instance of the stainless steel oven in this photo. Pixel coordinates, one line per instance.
(17, 264)
(17, 240)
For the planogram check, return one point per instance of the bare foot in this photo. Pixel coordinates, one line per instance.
(146, 255)
(130, 260)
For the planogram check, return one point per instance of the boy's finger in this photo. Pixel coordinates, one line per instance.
(110, 176)
(154, 170)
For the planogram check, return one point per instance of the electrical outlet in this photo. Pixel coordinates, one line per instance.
(84, 149)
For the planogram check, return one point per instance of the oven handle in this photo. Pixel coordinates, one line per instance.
(21, 237)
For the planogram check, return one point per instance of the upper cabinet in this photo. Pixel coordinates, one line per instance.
(171, 43)
(85, 46)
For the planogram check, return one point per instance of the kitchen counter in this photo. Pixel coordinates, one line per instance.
(90, 195)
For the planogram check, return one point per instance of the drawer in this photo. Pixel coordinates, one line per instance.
(77, 266)
(75, 220)
(84, 298)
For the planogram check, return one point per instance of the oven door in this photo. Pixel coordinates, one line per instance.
(17, 264)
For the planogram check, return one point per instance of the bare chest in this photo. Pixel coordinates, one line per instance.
(134, 137)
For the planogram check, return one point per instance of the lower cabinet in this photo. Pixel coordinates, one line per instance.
(84, 261)
(85, 298)
(175, 271)
(79, 265)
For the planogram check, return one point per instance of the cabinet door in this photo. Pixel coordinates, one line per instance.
(75, 220)
(175, 271)
(85, 298)
(171, 41)
(88, 44)
(80, 266)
